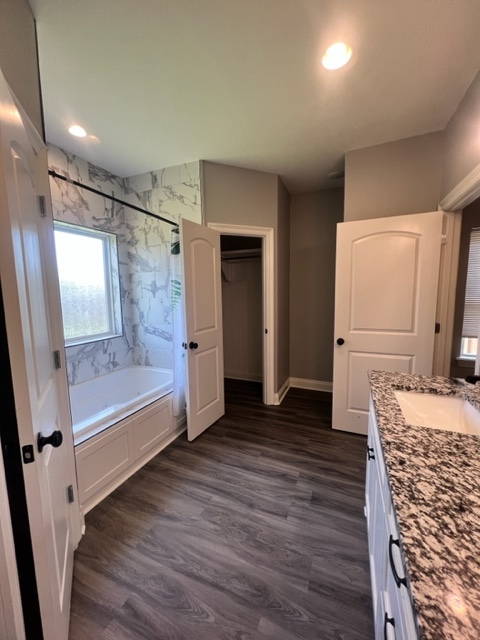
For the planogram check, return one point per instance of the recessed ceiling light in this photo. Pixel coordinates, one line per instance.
(78, 131)
(336, 56)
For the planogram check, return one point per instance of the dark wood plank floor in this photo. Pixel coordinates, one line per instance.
(254, 531)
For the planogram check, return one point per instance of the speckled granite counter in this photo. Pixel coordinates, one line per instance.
(434, 478)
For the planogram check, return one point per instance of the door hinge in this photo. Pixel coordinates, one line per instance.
(43, 206)
(56, 360)
(27, 454)
(443, 239)
(70, 494)
(437, 327)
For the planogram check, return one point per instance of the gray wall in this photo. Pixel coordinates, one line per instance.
(283, 286)
(18, 57)
(237, 196)
(395, 178)
(462, 139)
(313, 225)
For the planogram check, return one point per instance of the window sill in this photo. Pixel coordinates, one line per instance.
(468, 363)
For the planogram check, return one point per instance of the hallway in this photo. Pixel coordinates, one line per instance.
(254, 531)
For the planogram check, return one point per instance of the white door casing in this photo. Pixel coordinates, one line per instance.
(386, 286)
(268, 292)
(205, 396)
(34, 332)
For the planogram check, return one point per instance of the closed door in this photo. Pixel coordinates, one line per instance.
(387, 272)
(34, 333)
(205, 394)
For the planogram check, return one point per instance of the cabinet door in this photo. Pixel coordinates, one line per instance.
(376, 512)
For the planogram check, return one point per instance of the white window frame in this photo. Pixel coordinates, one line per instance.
(115, 320)
(472, 298)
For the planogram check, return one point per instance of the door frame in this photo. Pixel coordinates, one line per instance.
(268, 297)
(463, 194)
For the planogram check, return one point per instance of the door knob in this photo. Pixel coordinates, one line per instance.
(340, 341)
(55, 439)
(193, 345)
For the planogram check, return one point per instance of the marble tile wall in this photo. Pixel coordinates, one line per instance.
(144, 254)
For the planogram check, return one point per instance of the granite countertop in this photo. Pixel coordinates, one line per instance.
(434, 478)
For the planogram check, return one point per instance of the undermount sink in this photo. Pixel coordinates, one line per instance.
(439, 412)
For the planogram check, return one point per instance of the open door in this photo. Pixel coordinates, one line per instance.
(387, 272)
(35, 342)
(204, 391)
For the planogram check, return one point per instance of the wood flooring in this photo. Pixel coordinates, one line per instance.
(254, 531)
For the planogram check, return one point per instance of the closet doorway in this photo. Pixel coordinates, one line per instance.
(242, 307)
(247, 255)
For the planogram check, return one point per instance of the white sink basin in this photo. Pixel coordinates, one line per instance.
(439, 412)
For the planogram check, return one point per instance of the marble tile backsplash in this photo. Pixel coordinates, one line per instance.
(143, 251)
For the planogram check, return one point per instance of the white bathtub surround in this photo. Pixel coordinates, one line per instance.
(173, 192)
(144, 256)
(103, 401)
(108, 459)
(121, 420)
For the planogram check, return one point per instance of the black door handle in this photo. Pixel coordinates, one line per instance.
(193, 345)
(398, 581)
(55, 439)
(340, 341)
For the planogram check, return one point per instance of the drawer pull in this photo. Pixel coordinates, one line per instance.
(396, 577)
(386, 622)
(370, 453)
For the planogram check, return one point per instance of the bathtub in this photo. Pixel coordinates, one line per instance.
(102, 402)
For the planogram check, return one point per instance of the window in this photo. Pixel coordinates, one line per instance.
(89, 287)
(471, 313)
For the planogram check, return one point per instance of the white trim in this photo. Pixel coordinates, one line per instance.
(447, 286)
(466, 191)
(268, 264)
(314, 385)
(282, 392)
(242, 375)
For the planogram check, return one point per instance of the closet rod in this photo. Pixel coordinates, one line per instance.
(54, 174)
(227, 258)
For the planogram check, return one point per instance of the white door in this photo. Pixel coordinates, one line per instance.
(386, 285)
(34, 333)
(205, 395)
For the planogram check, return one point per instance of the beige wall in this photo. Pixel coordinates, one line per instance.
(282, 315)
(462, 139)
(395, 178)
(313, 222)
(18, 57)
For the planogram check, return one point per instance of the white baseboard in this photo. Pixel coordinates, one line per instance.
(314, 385)
(278, 397)
(242, 375)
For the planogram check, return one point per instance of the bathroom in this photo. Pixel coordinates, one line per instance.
(126, 368)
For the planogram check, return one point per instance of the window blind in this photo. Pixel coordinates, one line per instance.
(471, 314)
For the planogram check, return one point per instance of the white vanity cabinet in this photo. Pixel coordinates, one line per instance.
(393, 613)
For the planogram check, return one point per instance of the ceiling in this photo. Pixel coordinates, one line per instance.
(162, 82)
